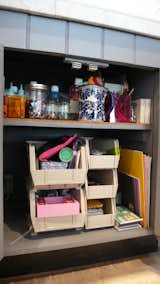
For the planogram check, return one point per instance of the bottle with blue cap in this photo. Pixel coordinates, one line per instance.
(54, 103)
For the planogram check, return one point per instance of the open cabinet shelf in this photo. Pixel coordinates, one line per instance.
(71, 245)
(75, 124)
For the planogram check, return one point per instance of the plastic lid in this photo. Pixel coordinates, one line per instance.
(54, 88)
(21, 90)
(36, 86)
(10, 90)
(66, 154)
(33, 82)
(15, 89)
(78, 81)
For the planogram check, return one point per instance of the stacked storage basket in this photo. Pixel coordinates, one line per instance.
(57, 213)
(103, 170)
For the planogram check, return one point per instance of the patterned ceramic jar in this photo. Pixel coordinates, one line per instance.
(92, 102)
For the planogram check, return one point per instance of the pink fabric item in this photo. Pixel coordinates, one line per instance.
(45, 156)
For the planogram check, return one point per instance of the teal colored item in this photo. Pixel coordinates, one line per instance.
(21, 90)
(11, 90)
(66, 154)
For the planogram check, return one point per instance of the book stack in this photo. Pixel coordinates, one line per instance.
(126, 219)
(94, 207)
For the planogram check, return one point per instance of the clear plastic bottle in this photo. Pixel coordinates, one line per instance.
(53, 107)
(64, 109)
(74, 99)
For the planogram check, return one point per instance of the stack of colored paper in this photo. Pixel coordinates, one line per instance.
(137, 165)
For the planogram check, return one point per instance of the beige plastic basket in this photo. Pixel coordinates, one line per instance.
(103, 161)
(55, 223)
(56, 176)
(108, 184)
(104, 220)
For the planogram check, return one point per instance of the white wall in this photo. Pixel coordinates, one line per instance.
(148, 9)
(140, 16)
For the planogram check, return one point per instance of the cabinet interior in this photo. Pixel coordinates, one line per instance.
(23, 67)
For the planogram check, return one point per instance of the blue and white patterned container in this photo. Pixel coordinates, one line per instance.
(92, 102)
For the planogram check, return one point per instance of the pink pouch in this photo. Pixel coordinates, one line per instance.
(45, 156)
(122, 104)
(121, 111)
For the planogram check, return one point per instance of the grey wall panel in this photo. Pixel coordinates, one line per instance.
(1, 149)
(13, 29)
(47, 34)
(147, 51)
(119, 46)
(85, 40)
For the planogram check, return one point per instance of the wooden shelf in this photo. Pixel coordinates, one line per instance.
(74, 124)
(18, 242)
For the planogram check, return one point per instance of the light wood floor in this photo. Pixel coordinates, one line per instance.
(142, 270)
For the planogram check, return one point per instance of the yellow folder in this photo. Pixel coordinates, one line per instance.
(132, 164)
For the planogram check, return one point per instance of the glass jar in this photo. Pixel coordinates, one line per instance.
(36, 100)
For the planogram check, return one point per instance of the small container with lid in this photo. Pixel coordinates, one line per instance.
(36, 100)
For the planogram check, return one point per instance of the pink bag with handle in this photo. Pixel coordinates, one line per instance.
(45, 156)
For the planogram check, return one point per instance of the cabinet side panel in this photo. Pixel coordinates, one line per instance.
(155, 193)
(1, 149)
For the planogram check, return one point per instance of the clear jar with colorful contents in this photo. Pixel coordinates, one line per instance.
(36, 100)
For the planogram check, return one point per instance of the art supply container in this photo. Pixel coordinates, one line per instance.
(92, 103)
(121, 111)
